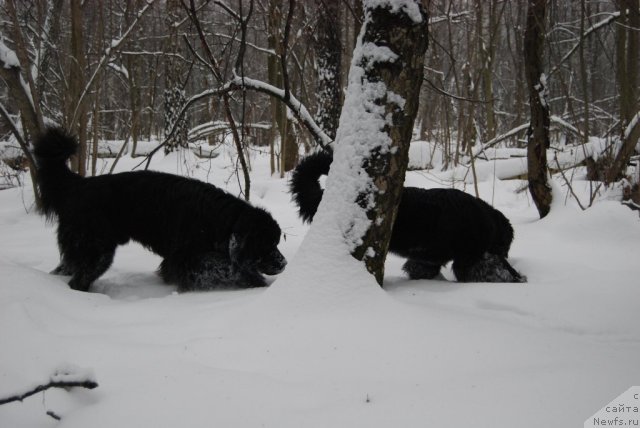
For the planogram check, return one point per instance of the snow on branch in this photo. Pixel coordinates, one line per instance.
(514, 131)
(244, 83)
(66, 376)
(297, 107)
(8, 57)
(205, 129)
(614, 16)
(448, 17)
(635, 120)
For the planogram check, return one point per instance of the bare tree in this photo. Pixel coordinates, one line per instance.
(627, 54)
(538, 133)
(175, 125)
(328, 51)
(377, 119)
(76, 112)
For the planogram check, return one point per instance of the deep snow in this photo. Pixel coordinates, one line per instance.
(308, 352)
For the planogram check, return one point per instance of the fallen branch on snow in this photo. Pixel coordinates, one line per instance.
(65, 377)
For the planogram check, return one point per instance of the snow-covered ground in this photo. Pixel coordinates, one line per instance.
(309, 353)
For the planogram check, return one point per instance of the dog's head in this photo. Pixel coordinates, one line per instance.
(254, 242)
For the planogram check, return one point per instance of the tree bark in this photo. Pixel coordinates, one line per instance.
(278, 77)
(627, 76)
(406, 36)
(132, 62)
(174, 95)
(328, 49)
(538, 133)
(75, 102)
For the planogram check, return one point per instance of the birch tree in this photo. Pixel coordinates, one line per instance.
(174, 94)
(370, 157)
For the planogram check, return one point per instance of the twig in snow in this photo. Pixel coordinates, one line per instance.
(65, 376)
(555, 158)
(85, 383)
(54, 415)
(632, 205)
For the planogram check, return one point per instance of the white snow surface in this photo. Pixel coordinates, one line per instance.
(361, 132)
(324, 346)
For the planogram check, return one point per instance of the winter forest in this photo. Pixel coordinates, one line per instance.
(473, 260)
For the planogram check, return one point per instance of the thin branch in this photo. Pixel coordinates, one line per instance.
(588, 31)
(16, 133)
(115, 44)
(450, 95)
(632, 205)
(191, 11)
(88, 384)
(564, 177)
(229, 10)
(202, 95)
(285, 48)
(25, 63)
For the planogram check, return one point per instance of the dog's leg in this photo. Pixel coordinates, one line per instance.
(470, 269)
(421, 269)
(65, 241)
(90, 266)
(489, 268)
(63, 269)
(249, 278)
(192, 272)
(207, 272)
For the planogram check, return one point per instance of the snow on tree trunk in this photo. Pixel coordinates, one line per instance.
(174, 99)
(353, 224)
(538, 134)
(174, 94)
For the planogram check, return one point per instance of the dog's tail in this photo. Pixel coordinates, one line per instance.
(305, 186)
(52, 149)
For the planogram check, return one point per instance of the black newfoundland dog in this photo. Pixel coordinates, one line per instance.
(432, 227)
(208, 238)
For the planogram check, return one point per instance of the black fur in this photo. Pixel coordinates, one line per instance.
(207, 237)
(432, 227)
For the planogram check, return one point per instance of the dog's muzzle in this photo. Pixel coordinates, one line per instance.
(272, 264)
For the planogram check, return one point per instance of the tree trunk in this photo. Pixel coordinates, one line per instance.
(584, 79)
(132, 77)
(377, 123)
(274, 76)
(288, 142)
(51, 34)
(328, 49)
(627, 76)
(76, 87)
(174, 95)
(25, 98)
(538, 133)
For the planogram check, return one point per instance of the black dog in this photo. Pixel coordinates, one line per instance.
(431, 228)
(208, 238)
